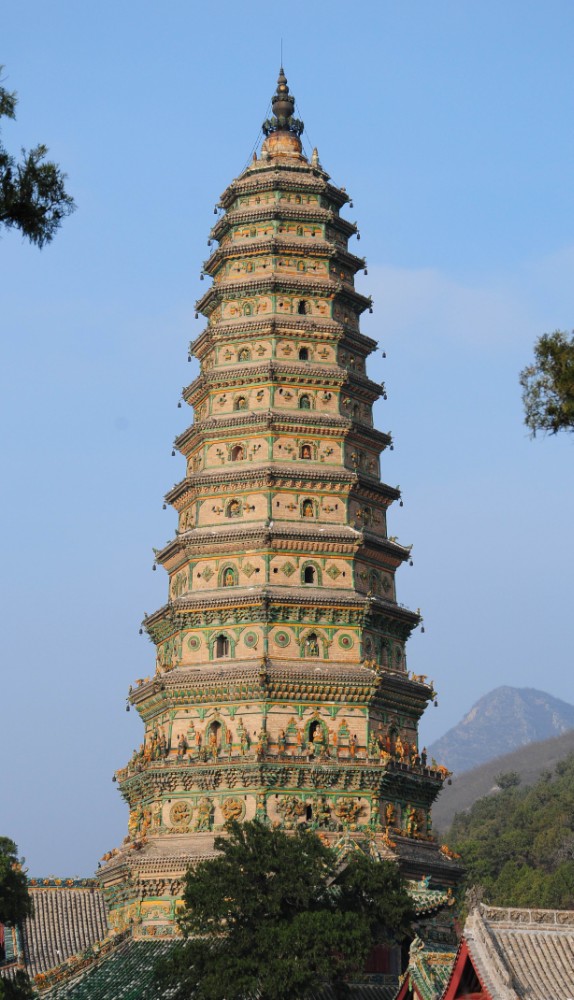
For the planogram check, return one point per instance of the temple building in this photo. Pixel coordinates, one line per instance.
(280, 689)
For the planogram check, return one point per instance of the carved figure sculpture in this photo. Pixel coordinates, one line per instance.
(312, 646)
(262, 741)
(390, 814)
(322, 812)
(411, 821)
(204, 815)
(213, 745)
(244, 741)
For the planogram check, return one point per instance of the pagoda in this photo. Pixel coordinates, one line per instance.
(281, 690)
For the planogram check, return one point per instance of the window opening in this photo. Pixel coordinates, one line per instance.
(221, 646)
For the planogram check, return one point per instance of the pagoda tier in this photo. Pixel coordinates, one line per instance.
(281, 690)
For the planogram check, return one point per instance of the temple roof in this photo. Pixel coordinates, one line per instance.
(428, 971)
(522, 953)
(66, 920)
(127, 971)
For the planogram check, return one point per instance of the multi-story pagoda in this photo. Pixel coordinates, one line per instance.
(281, 689)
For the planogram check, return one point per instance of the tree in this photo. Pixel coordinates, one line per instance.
(15, 902)
(548, 385)
(15, 905)
(507, 779)
(33, 198)
(277, 915)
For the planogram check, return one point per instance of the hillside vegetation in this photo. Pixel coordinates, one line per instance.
(519, 844)
(529, 762)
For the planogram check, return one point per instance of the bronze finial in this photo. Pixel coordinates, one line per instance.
(283, 106)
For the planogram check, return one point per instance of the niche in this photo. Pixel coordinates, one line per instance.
(221, 646)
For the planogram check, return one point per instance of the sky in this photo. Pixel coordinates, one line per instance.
(450, 124)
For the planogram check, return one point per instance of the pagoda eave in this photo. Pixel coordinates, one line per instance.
(260, 680)
(279, 421)
(320, 328)
(257, 181)
(277, 475)
(281, 213)
(280, 537)
(270, 604)
(269, 372)
(279, 244)
(274, 372)
(282, 284)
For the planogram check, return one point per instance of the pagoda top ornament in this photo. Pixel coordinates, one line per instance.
(282, 130)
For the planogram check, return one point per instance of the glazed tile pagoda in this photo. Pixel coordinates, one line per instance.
(281, 690)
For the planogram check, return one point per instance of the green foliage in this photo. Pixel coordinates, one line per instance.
(15, 905)
(519, 845)
(15, 902)
(18, 988)
(276, 916)
(33, 197)
(507, 779)
(548, 385)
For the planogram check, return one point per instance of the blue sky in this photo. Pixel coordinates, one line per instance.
(450, 123)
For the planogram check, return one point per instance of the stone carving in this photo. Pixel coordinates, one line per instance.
(347, 810)
(291, 808)
(180, 814)
(233, 808)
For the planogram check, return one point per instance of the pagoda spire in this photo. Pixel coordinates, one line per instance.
(283, 106)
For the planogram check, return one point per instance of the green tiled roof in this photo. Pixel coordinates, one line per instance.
(429, 969)
(126, 973)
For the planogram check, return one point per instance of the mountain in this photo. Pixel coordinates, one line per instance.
(528, 762)
(502, 721)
